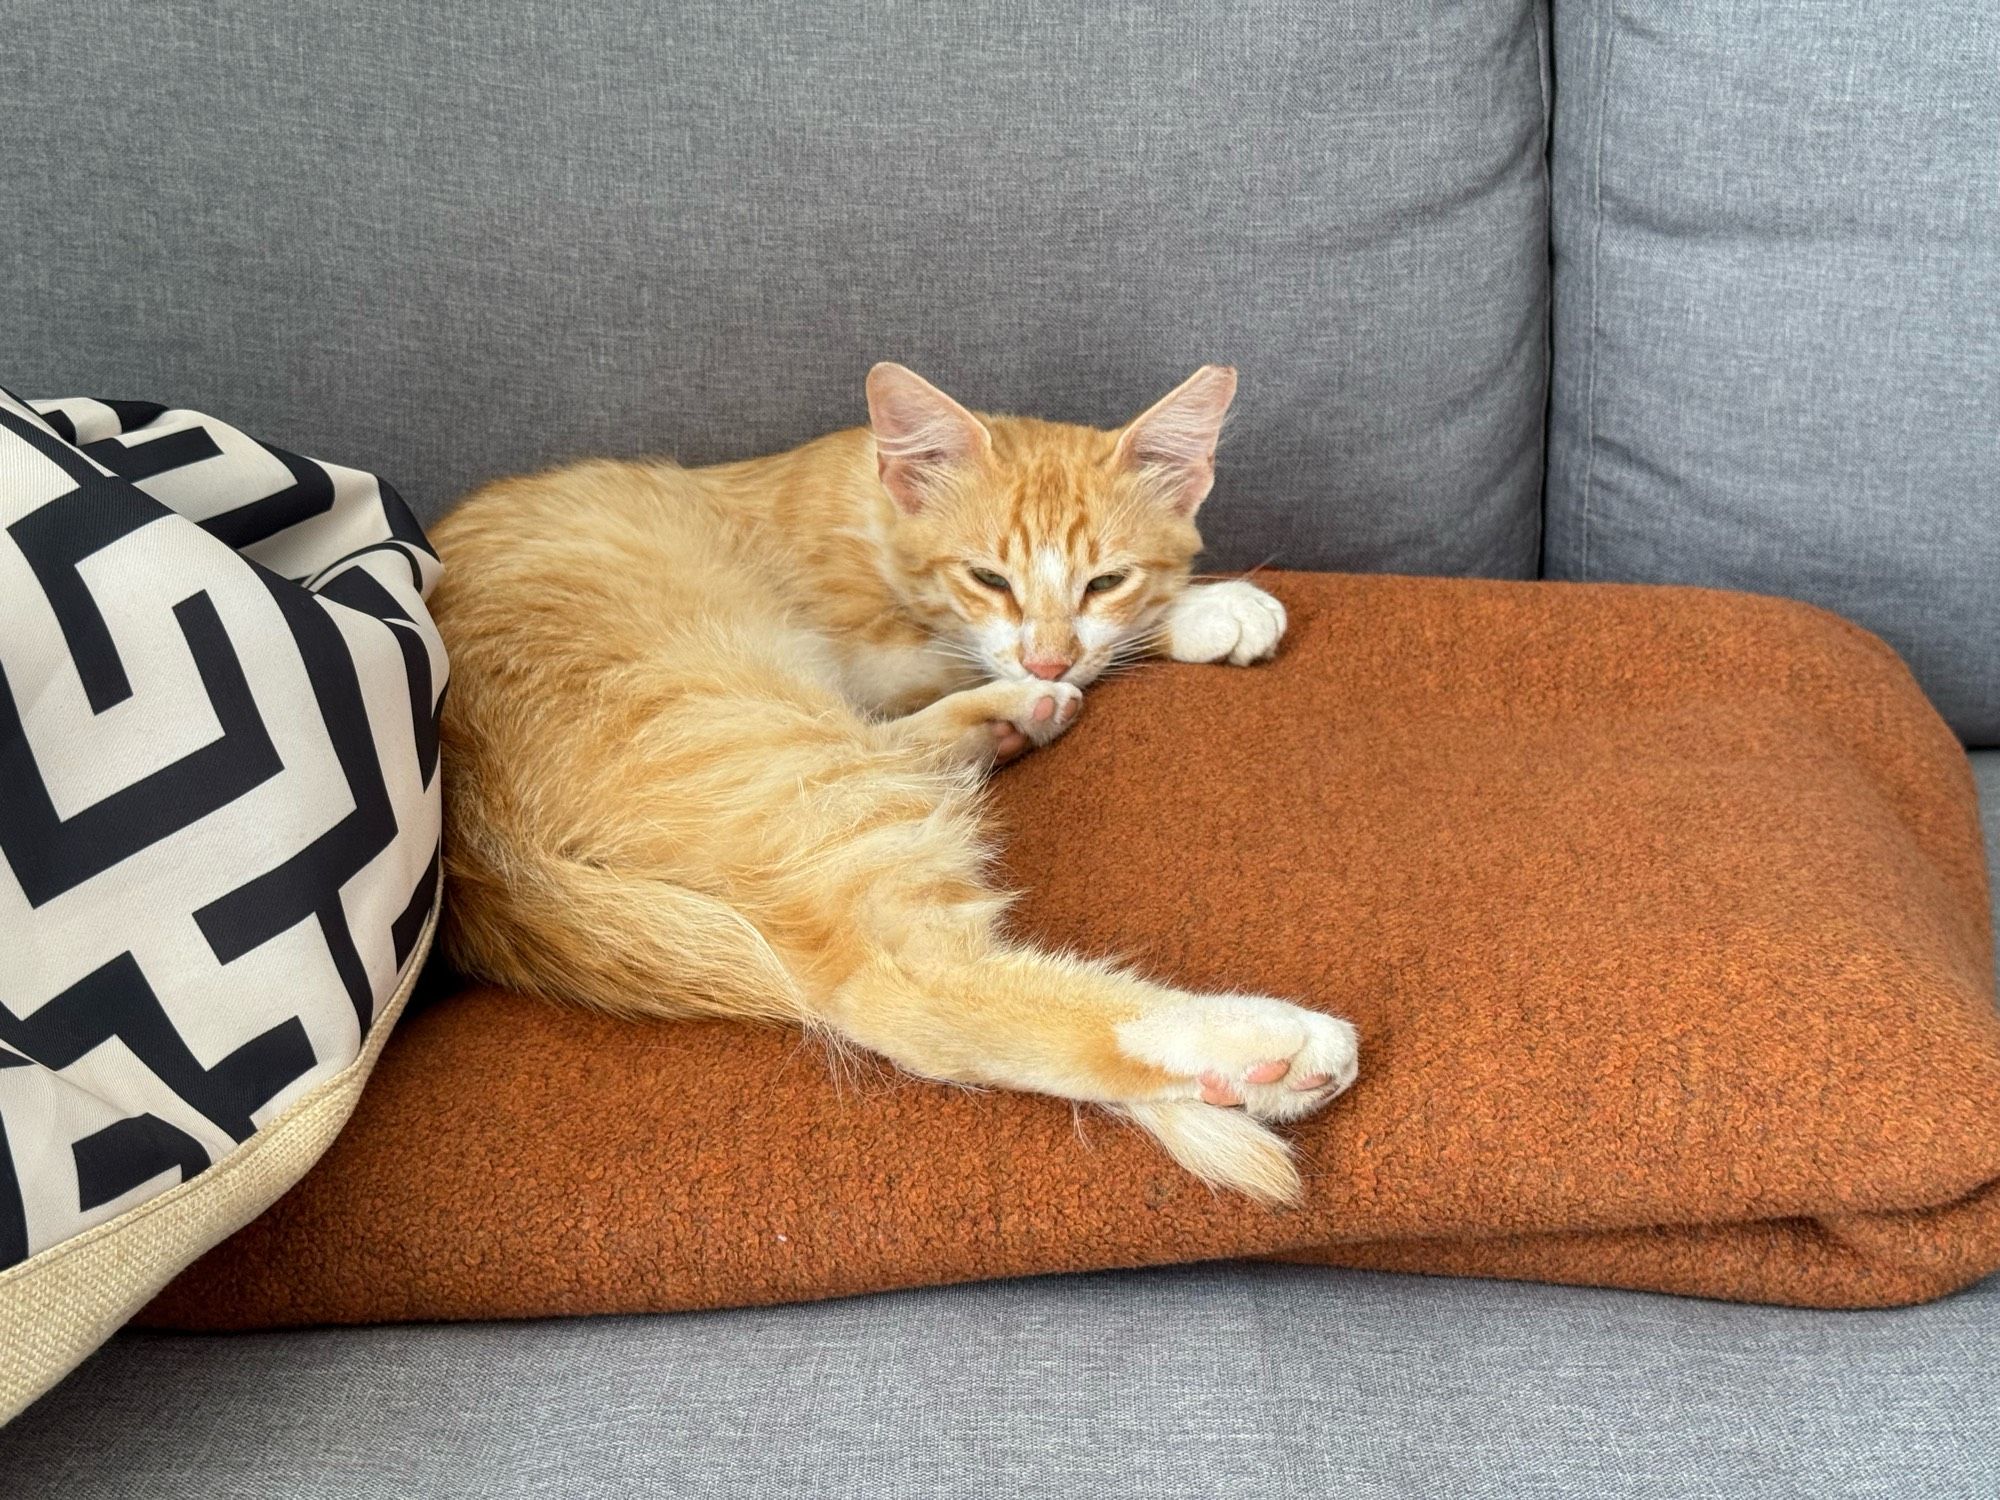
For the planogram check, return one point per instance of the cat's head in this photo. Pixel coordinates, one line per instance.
(1039, 548)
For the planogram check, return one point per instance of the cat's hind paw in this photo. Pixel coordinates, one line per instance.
(1277, 1060)
(1238, 1060)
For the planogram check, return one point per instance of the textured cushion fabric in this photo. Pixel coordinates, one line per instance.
(470, 241)
(219, 831)
(1662, 914)
(1777, 314)
(1261, 1381)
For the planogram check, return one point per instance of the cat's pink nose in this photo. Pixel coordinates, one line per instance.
(1048, 668)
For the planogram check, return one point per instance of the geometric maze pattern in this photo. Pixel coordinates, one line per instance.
(219, 698)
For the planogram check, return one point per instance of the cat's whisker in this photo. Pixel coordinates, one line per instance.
(948, 645)
(1244, 576)
(1079, 1113)
(957, 652)
(1136, 651)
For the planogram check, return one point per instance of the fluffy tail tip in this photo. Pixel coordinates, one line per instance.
(1223, 1147)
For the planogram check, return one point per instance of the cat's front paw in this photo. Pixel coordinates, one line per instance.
(1030, 713)
(1236, 622)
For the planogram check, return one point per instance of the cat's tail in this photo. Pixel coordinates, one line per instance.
(1223, 1147)
(622, 941)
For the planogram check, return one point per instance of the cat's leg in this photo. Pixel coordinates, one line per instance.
(1202, 1073)
(995, 721)
(1233, 621)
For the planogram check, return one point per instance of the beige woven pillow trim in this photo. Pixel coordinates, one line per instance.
(58, 1306)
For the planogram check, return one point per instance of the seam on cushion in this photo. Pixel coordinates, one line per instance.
(1544, 76)
(1539, 9)
(1545, 67)
(1596, 273)
(240, 1159)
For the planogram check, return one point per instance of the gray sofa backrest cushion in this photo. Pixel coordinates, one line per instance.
(446, 243)
(1777, 327)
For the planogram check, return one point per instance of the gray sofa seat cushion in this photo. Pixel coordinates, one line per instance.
(448, 243)
(1777, 314)
(1257, 1380)
(1191, 1382)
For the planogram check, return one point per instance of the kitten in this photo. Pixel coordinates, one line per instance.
(716, 738)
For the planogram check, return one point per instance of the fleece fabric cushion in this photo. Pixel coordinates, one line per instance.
(556, 229)
(1662, 913)
(1777, 314)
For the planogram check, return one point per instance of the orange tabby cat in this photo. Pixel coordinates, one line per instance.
(716, 739)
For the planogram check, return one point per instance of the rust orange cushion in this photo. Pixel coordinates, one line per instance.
(1662, 913)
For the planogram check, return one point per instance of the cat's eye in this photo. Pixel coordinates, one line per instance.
(991, 579)
(1103, 583)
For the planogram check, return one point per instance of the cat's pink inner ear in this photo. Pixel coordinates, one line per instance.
(919, 433)
(1176, 436)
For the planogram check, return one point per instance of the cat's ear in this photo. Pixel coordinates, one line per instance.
(919, 431)
(1176, 436)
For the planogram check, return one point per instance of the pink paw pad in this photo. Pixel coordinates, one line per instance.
(1215, 1089)
(1268, 1072)
(1310, 1082)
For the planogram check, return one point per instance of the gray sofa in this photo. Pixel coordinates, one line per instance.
(1693, 291)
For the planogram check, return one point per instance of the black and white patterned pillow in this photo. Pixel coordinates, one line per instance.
(219, 810)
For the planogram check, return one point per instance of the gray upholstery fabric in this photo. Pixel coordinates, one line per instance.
(1244, 1380)
(444, 242)
(1777, 314)
(1255, 1381)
